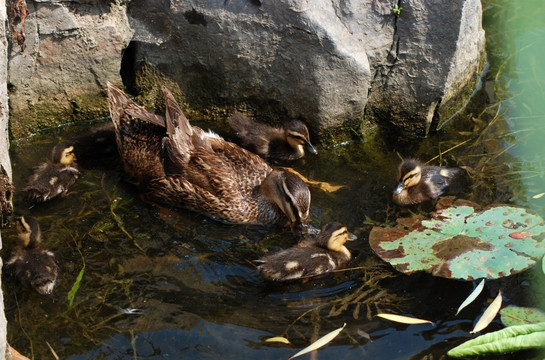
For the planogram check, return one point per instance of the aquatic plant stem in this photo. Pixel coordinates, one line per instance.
(23, 329)
(133, 345)
(52, 351)
(441, 153)
(114, 201)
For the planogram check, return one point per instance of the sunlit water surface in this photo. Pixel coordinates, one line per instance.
(160, 282)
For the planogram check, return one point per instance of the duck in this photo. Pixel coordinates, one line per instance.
(53, 177)
(33, 265)
(310, 257)
(418, 183)
(178, 164)
(269, 142)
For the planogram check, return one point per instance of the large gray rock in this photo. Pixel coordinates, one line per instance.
(326, 62)
(316, 58)
(71, 50)
(295, 53)
(436, 50)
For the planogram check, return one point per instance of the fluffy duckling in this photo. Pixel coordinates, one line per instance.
(311, 257)
(182, 165)
(270, 142)
(55, 176)
(32, 264)
(419, 183)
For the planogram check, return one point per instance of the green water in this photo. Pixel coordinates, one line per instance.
(166, 283)
(521, 90)
(522, 79)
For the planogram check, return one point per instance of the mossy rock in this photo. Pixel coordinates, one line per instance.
(57, 110)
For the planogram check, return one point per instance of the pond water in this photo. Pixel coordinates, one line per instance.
(160, 282)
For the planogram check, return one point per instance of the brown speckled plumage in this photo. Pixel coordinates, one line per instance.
(185, 166)
(53, 177)
(269, 142)
(33, 265)
(311, 257)
(418, 183)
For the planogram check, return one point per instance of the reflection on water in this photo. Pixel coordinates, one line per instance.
(520, 45)
(160, 282)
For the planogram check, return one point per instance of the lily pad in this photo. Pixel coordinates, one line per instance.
(463, 243)
(514, 315)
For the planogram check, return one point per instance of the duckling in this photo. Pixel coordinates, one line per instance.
(311, 257)
(182, 165)
(32, 264)
(419, 183)
(270, 142)
(55, 176)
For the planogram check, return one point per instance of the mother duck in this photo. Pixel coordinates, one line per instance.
(179, 164)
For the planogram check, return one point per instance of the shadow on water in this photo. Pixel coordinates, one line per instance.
(162, 282)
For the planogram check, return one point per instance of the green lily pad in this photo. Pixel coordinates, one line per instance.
(463, 243)
(515, 315)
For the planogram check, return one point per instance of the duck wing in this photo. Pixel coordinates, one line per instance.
(138, 136)
(179, 140)
(205, 173)
(229, 207)
(247, 169)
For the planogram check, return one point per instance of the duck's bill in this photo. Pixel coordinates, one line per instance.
(310, 148)
(399, 188)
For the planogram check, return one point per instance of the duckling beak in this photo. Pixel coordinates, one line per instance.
(399, 188)
(351, 237)
(310, 148)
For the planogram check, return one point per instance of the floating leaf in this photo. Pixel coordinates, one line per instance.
(520, 234)
(75, 287)
(279, 339)
(489, 314)
(321, 184)
(320, 342)
(404, 319)
(459, 242)
(514, 315)
(363, 334)
(16, 355)
(510, 339)
(538, 195)
(472, 296)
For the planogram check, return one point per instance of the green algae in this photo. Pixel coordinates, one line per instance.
(55, 111)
